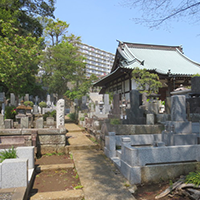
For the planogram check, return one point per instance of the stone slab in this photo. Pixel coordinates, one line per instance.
(14, 173)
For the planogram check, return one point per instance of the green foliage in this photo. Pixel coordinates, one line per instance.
(193, 177)
(10, 112)
(82, 118)
(7, 154)
(82, 87)
(43, 104)
(24, 14)
(147, 82)
(78, 187)
(50, 114)
(18, 60)
(72, 116)
(196, 75)
(30, 103)
(115, 121)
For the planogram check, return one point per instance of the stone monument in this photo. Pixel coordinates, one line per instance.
(60, 113)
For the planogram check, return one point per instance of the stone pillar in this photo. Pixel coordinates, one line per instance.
(60, 113)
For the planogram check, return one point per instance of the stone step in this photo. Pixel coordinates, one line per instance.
(81, 147)
(61, 195)
(40, 168)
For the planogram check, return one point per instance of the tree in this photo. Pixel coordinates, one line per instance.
(82, 88)
(61, 61)
(18, 60)
(146, 82)
(24, 14)
(61, 64)
(157, 12)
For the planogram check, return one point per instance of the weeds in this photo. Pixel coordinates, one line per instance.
(193, 177)
(7, 154)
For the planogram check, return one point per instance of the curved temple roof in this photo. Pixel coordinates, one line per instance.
(158, 58)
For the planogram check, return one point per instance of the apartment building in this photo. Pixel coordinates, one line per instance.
(99, 62)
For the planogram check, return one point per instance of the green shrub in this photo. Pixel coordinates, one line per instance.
(82, 118)
(115, 121)
(30, 103)
(193, 177)
(42, 104)
(10, 112)
(72, 116)
(50, 114)
(7, 154)
(53, 114)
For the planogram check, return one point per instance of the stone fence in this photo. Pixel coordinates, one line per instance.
(46, 140)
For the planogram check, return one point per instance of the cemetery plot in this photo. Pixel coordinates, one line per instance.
(49, 159)
(55, 180)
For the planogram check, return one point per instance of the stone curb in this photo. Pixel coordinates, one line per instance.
(53, 167)
(61, 195)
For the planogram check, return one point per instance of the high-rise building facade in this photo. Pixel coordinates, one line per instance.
(99, 62)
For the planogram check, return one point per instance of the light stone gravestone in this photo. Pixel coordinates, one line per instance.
(26, 98)
(48, 100)
(50, 121)
(39, 109)
(35, 109)
(12, 99)
(39, 123)
(8, 123)
(60, 113)
(24, 122)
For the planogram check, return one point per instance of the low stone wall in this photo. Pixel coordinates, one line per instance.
(47, 140)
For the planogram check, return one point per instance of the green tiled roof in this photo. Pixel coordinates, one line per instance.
(159, 59)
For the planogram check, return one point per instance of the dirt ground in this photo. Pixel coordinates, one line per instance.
(55, 180)
(148, 192)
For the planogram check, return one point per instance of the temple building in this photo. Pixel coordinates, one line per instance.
(168, 62)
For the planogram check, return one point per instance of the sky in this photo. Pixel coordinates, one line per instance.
(100, 23)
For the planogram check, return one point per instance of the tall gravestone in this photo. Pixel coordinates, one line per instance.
(48, 100)
(60, 113)
(178, 108)
(135, 115)
(12, 99)
(26, 98)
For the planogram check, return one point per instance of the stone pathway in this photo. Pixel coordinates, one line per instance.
(99, 178)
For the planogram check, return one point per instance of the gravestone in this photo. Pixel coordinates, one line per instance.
(60, 113)
(39, 123)
(35, 109)
(50, 121)
(26, 98)
(12, 99)
(135, 115)
(48, 100)
(178, 108)
(24, 122)
(8, 123)
(39, 110)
